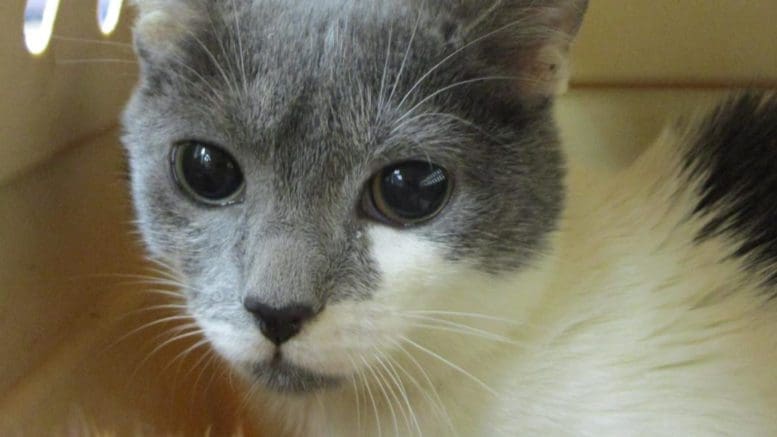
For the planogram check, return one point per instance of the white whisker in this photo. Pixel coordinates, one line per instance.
(151, 324)
(228, 81)
(167, 342)
(460, 326)
(158, 308)
(452, 366)
(186, 352)
(453, 117)
(203, 360)
(403, 392)
(241, 53)
(224, 374)
(372, 398)
(404, 59)
(381, 96)
(492, 337)
(394, 396)
(165, 293)
(444, 411)
(164, 272)
(454, 54)
(357, 399)
(459, 84)
(467, 315)
(379, 382)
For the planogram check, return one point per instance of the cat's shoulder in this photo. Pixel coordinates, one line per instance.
(731, 158)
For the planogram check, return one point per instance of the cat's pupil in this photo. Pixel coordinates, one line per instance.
(411, 192)
(207, 173)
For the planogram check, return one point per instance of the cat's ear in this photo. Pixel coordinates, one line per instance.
(160, 26)
(529, 39)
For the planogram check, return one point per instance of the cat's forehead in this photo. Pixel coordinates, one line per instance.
(276, 50)
(313, 87)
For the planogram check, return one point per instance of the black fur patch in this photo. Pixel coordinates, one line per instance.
(736, 155)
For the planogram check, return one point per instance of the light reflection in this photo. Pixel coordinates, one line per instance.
(434, 178)
(108, 13)
(39, 17)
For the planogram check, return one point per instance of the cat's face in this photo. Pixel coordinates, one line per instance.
(323, 174)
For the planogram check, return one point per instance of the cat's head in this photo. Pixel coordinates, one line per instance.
(331, 178)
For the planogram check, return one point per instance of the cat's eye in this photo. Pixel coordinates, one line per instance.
(408, 193)
(207, 173)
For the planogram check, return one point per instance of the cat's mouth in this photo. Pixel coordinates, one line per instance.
(280, 375)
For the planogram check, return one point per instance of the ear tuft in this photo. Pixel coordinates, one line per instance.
(160, 26)
(529, 39)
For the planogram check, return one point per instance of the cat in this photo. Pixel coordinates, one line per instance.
(369, 207)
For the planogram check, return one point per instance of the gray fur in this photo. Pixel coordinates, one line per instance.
(292, 88)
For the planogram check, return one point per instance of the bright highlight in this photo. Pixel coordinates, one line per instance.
(108, 13)
(39, 17)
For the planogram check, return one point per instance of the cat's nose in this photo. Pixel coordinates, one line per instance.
(279, 324)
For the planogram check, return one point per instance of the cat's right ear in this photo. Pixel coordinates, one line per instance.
(529, 39)
(160, 27)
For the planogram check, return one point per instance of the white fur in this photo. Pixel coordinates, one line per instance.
(237, 346)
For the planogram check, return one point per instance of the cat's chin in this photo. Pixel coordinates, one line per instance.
(281, 376)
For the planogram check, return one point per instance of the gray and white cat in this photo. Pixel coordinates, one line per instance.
(369, 206)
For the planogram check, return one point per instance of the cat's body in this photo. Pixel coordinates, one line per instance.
(644, 328)
(477, 301)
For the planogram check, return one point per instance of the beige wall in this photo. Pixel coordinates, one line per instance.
(60, 98)
(691, 42)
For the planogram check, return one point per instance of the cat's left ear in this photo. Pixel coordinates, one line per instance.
(529, 39)
(160, 26)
